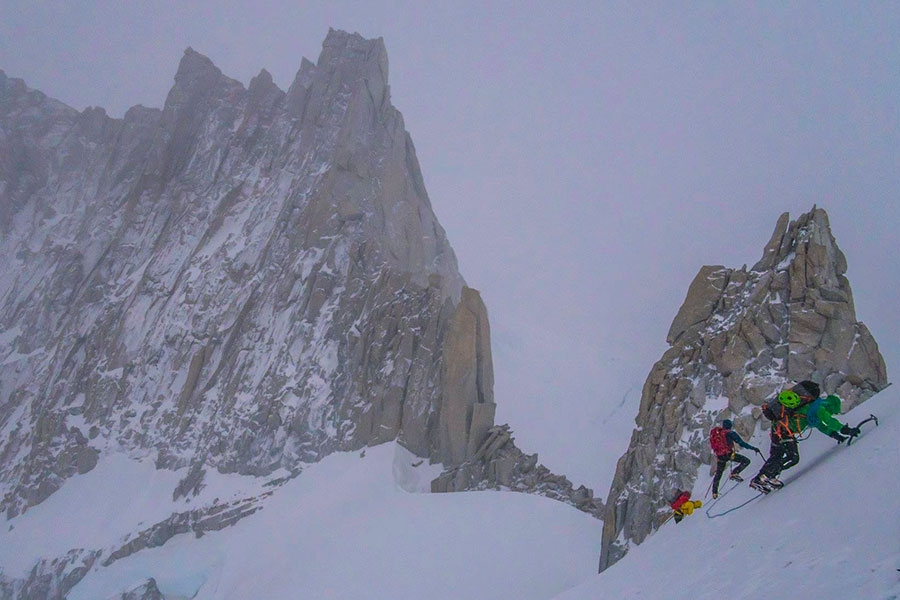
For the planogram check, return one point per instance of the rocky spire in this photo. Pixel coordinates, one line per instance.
(739, 337)
(245, 280)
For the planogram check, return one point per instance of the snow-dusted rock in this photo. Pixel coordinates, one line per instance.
(145, 591)
(246, 280)
(739, 337)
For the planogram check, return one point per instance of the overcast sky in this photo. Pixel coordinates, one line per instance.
(585, 158)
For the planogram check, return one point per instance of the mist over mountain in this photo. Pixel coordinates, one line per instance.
(234, 327)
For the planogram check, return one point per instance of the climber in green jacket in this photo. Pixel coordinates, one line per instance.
(820, 414)
(798, 408)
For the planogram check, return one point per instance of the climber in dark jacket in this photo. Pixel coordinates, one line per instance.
(798, 408)
(732, 437)
(788, 422)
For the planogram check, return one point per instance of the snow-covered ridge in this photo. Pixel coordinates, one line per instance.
(353, 525)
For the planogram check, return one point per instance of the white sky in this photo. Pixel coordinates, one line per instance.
(585, 158)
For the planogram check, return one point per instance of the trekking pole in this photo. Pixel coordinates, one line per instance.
(709, 487)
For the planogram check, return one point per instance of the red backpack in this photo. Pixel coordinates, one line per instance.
(718, 441)
(679, 500)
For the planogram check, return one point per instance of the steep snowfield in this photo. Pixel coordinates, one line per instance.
(357, 527)
(348, 527)
(832, 532)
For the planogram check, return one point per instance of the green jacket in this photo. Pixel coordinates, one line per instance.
(820, 414)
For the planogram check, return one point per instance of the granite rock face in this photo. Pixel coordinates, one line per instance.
(467, 404)
(478, 454)
(498, 463)
(245, 282)
(247, 279)
(740, 337)
(145, 591)
(50, 579)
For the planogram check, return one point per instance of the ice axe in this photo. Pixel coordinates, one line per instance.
(871, 417)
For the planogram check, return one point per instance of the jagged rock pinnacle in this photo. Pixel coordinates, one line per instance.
(739, 338)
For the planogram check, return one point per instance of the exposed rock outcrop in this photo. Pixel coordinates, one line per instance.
(145, 591)
(739, 337)
(199, 522)
(50, 579)
(499, 464)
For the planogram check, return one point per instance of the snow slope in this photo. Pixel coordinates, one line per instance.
(832, 532)
(358, 527)
(350, 526)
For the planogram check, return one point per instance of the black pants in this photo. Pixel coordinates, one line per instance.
(783, 454)
(723, 460)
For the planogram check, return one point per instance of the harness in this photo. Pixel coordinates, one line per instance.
(790, 423)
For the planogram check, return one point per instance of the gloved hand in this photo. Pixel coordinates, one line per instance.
(835, 435)
(847, 430)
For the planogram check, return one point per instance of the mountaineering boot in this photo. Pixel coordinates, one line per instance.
(757, 484)
(773, 482)
(736, 477)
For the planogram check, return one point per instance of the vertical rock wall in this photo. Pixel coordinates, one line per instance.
(467, 391)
